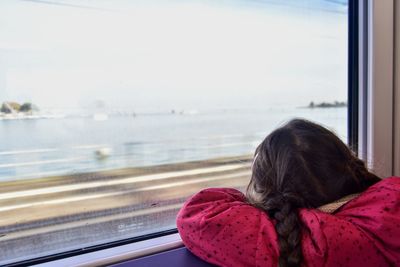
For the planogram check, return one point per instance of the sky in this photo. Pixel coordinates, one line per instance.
(165, 55)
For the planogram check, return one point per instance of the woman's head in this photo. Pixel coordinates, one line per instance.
(302, 164)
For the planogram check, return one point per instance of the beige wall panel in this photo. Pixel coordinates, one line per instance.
(396, 96)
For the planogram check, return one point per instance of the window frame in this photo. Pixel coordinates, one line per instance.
(376, 86)
(120, 253)
(353, 84)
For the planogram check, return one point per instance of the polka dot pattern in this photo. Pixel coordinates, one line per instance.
(219, 226)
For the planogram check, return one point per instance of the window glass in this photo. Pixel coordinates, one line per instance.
(114, 112)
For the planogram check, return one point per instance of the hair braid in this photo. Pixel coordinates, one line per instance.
(283, 208)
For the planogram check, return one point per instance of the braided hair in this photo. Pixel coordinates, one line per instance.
(302, 165)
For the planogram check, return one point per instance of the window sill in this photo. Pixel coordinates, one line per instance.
(121, 253)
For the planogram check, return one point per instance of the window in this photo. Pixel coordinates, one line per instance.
(114, 112)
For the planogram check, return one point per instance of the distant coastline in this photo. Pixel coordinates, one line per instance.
(29, 111)
(12, 110)
(335, 104)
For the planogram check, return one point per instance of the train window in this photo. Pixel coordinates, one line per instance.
(114, 112)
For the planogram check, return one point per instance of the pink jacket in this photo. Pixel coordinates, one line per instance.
(219, 226)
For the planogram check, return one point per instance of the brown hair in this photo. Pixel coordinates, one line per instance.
(302, 165)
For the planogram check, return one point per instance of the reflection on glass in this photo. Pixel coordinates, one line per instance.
(113, 112)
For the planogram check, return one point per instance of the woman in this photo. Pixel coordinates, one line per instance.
(309, 202)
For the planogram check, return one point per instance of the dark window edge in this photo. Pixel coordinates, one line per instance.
(353, 75)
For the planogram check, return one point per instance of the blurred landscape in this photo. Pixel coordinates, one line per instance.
(106, 206)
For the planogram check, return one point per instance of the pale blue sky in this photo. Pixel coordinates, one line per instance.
(173, 54)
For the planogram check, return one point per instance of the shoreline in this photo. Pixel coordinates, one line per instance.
(148, 197)
(77, 178)
(22, 197)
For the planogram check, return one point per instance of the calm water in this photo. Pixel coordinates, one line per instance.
(37, 148)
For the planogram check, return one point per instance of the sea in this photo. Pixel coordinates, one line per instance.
(37, 148)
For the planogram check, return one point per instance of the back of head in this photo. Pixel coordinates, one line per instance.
(302, 164)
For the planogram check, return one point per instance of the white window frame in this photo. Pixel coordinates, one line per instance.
(122, 253)
(376, 102)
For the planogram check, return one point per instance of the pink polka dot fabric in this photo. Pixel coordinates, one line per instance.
(219, 226)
